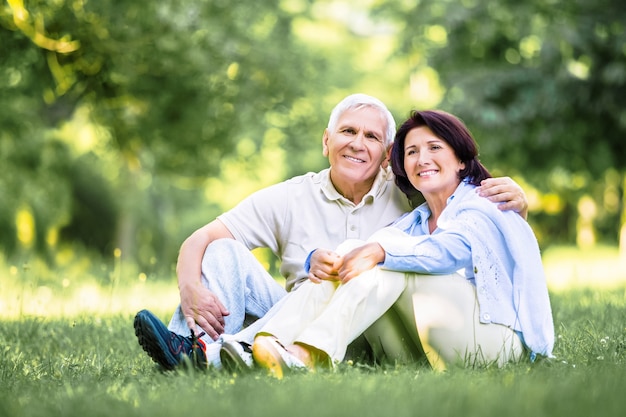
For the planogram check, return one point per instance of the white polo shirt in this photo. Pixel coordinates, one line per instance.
(306, 212)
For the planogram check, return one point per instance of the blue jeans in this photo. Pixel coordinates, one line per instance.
(234, 275)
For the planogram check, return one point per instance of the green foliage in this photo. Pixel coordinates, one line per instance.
(540, 81)
(93, 365)
(128, 124)
(115, 113)
(175, 83)
(542, 85)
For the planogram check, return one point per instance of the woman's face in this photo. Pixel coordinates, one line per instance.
(356, 147)
(430, 163)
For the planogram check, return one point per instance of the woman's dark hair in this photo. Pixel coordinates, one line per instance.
(448, 128)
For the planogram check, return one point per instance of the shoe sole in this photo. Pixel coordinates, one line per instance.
(231, 361)
(145, 332)
(266, 356)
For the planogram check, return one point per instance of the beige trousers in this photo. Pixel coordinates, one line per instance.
(404, 316)
(438, 316)
(329, 316)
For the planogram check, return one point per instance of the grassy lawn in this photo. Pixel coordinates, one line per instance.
(75, 362)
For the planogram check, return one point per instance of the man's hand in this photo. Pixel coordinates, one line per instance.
(360, 260)
(201, 307)
(324, 266)
(506, 191)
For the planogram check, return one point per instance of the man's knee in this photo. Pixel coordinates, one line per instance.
(226, 254)
(221, 262)
(224, 246)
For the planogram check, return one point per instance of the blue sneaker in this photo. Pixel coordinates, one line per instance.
(166, 348)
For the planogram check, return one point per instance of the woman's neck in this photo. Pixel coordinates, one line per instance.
(437, 202)
(436, 207)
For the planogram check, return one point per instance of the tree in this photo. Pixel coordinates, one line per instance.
(161, 91)
(542, 84)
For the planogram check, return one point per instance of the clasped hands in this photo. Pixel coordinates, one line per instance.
(327, 265)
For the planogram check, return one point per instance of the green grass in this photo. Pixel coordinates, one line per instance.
(90, 364)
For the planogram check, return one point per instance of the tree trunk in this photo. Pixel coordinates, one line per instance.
(622, 223)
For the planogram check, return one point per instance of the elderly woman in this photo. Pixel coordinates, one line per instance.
(484, 300)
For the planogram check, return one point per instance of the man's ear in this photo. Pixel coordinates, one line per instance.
(387, 159)
(325, 143)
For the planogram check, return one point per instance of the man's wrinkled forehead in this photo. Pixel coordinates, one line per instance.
(366, 118)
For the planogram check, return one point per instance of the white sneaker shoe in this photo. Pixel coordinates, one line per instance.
(270, 354)
(236, 356)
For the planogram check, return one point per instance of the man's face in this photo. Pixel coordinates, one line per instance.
(356, 148)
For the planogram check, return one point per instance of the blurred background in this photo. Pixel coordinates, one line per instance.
(125, 125)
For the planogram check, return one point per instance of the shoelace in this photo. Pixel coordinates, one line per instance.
(195, 346)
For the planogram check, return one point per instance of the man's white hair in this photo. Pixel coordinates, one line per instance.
(358, 101)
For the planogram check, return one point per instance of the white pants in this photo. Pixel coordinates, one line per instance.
(404, 316)
(438, 316)
(329, 316)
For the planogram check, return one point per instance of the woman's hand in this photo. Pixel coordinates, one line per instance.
(360, 260)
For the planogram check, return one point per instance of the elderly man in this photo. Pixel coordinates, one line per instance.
(222, 284)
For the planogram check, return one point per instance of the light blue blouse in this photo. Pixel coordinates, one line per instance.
(496, 250)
